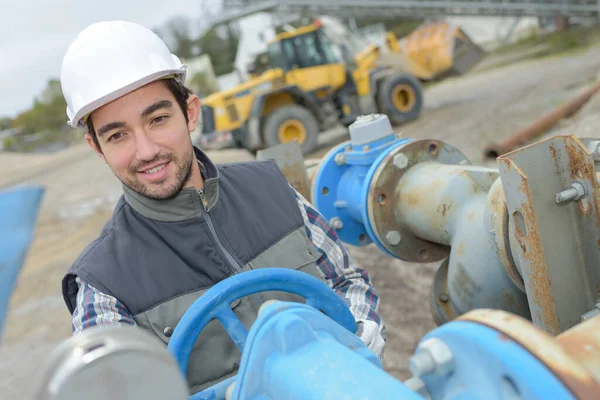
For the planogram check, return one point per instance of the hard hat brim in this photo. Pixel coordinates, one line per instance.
(79, 120)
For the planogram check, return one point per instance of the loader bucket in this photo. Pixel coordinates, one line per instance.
(466, 53)
(440, 48)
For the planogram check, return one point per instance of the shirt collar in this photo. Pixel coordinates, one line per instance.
(186, 204)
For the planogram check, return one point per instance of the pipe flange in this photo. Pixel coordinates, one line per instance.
(440, 302)
(324, 196)
(382, 197)
(500, 221)
(565, 355)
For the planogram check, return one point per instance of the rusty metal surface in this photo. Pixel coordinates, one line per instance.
(425, 207)
(582, 342)
(557, 245)
(476, 275)
(289, 159)
(384, 195)
(526, 135)
(432, 196)
(567, 366)
(499, 222)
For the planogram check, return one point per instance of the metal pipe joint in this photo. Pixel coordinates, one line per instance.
(499, 239)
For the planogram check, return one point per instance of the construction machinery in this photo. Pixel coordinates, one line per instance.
(307, 89)
(435, 51)
(309, 351)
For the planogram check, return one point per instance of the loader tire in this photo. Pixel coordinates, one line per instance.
(400, 96)
(289, 123)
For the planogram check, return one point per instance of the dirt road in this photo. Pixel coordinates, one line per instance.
(466, 112)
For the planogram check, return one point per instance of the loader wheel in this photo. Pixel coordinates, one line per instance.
(290, 123)
(401, 98)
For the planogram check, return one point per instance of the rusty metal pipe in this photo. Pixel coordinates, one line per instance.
(526, 135)
(430, 197)
(453, 205)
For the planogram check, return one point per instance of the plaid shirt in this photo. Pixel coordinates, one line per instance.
(340, 271)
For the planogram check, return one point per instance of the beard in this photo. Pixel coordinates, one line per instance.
(161, 190)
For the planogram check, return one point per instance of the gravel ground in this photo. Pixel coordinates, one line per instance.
(468, 112)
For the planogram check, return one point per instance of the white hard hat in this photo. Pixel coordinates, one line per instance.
(110, 59)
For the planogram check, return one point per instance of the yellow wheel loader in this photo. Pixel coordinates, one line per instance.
(308, 89)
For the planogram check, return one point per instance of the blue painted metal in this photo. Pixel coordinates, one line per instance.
(367, 198)
(489, 365)
(330, 179)
(215, 304)
(18, 215)
(343, 190)
(295, 352)
(215, 392)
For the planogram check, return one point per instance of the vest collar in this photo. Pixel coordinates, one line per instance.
(186, 204)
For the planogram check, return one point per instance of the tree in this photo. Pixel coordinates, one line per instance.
(47, 113)
(200, 83)
(222, 51)
(5, 123)
(222, 48)
(176, 34)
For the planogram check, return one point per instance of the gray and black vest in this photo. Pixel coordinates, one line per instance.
(158, 257)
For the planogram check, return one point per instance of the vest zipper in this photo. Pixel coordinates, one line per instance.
(236, 266)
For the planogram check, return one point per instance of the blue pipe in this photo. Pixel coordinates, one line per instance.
(18, 215)
(341, 189)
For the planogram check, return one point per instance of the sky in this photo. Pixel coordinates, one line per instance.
(35, 34)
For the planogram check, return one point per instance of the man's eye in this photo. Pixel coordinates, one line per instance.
(115, 136)
(159, 119)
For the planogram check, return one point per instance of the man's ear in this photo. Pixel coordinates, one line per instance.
(90, 140)
(193, 111)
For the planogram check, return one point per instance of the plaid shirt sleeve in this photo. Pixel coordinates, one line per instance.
(97, 308)
(349, 281)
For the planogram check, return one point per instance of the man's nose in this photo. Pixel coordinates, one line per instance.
(146, 149)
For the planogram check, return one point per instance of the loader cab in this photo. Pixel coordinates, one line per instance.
(308, 61)
(303, 48)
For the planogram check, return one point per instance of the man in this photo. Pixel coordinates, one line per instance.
(184, 224)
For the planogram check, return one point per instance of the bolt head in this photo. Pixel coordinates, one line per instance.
(336, 223)
(440, 353)
(340, 159)
(400, 161)
(580, 190)
(393, 237)
(421, 364)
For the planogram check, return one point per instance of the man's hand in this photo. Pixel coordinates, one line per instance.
(368, 332)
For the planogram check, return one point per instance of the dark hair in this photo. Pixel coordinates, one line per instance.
(179, 91)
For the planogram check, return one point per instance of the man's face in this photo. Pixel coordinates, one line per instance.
(145, 140)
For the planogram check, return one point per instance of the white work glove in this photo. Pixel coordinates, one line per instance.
(368, 332)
